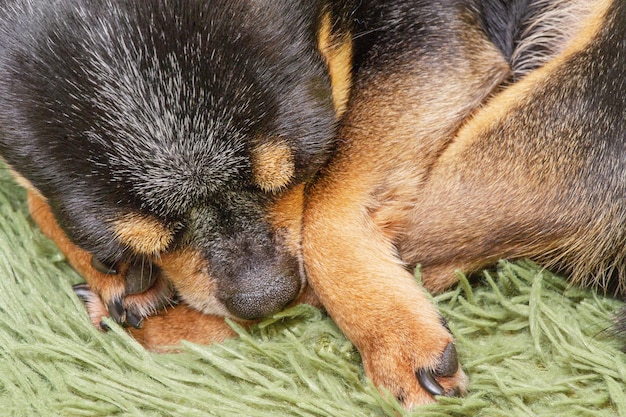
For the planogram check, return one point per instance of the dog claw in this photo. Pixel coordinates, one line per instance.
(427, 380)
(134, 320)
(103, 267)
(93, 304)
(449, 362)
(83, 292)
(448, 366)
(141, 276)
(116, 310)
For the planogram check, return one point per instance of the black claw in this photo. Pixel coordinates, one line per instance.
(134, 320)
(83, 292)
(449, 362)
(429, 383)
(103, 267)
(104, 326)
(116, 310)
(448, 366)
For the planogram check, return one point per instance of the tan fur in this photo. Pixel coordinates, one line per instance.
(187, 270)
(285, 215)
(433, 169)
(273, 165)
(144, 235)
(163, 332)
(336, 49)
(418, 151)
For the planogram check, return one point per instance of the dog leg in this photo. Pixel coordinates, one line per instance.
(405, 108)
(164, 332)
(379, 306)
(538, 172)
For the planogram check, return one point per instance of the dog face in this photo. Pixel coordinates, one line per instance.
(173, 131)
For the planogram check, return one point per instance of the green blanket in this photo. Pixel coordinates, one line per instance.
(531, 344)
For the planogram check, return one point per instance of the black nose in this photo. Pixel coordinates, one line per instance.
(268, 298)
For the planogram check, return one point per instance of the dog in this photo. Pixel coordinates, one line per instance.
(245, 156)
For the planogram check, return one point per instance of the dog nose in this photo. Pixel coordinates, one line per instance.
(268, 298)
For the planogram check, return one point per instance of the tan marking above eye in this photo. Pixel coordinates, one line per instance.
(145, 235)
(273, 165)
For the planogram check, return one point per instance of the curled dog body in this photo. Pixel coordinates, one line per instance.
(249, 155)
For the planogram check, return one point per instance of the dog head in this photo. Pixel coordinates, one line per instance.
(176, 131)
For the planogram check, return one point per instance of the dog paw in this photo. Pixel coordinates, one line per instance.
(126, 293)
(415, 369)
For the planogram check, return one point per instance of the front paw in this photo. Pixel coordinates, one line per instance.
(146, 292)
(415, 366)
(127, 292)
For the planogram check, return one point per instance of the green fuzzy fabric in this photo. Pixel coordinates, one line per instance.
(531, 344)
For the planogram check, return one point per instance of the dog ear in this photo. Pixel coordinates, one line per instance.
(273, 165)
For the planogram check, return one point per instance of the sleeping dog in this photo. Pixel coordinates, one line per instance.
(246, 155)
(164, 137)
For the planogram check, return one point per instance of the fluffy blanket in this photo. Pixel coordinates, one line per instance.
(531, 344)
